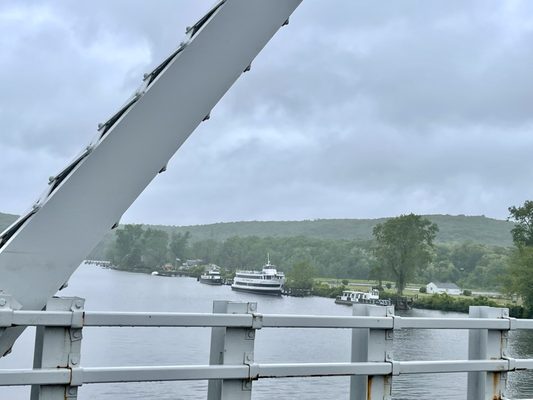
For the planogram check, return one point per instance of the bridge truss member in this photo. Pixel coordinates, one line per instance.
(41, 250)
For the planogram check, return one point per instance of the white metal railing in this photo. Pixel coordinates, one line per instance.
(232, 369)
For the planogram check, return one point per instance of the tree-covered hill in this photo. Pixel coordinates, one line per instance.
(452, 229)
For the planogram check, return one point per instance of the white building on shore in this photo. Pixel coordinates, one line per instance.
(443, 287)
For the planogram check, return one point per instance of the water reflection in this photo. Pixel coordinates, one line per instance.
(430, 344)
(521, 346)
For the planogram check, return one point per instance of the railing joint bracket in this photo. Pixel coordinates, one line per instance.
(512, 323)
(8, 305)
(76, 376)
(257, 321)
(395, 365)
(511, 362)
(396, 322)
(78, 314)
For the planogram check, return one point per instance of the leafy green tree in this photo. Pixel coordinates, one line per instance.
(233, 252)
(520, 277)
(155, 248)
(404, 246)
(378, 271)
(178, 245)
(466, 256)
(206, 250)
(138, 249)
(127, 252)
(301, 276)
(523, 230)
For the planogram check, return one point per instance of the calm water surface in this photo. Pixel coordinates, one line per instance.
(109, 290)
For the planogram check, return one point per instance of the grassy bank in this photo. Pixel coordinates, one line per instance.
(444, 302)
(332, 288)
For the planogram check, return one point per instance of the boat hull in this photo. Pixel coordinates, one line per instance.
(377, 302)
(213, 282)
(256, 290)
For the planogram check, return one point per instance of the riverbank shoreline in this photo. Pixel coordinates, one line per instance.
(437, 302)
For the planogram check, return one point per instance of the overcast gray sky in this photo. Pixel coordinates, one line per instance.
(357, 109)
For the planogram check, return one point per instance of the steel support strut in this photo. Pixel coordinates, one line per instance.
(486, 344)
(59, 347)
(375, 345)
(233, 346)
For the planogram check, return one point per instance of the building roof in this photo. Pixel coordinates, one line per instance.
(446, 285)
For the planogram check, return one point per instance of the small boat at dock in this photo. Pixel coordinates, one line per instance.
(350, 297)
(211, 277)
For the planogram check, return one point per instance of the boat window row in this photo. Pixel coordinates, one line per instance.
(277, 285)
(251, 276)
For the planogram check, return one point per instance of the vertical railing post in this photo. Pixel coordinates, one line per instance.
(59, 347)
(485, 344)
(371, 345)
(232, 346)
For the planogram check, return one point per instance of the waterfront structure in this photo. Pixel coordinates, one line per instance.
(443, 287)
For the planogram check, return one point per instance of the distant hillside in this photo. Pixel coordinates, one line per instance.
(451, 229)
(6, 220)
(458, 228)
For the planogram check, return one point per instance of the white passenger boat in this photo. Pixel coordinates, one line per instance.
(267, 281)
(350, 297)
(211, 277)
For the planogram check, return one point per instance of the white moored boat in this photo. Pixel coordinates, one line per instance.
(211, 277)
(267, 281)
(350, 297)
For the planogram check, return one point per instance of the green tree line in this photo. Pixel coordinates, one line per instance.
(468, 264)
(135, 248)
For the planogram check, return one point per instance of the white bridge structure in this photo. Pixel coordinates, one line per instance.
(40, 251)
(58, 373)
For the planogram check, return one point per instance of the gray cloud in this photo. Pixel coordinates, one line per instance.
(356, 109)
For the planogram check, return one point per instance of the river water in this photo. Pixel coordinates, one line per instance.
(110, 290)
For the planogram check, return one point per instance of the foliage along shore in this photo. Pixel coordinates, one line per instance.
(470, 265)
(444, 302)
(440, 302)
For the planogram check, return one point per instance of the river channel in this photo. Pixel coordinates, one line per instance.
(110, 290)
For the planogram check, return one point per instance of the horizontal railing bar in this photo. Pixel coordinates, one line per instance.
(325, 321)
(525, 363)
(147, 319)
(21, 377)
(320, 369)
(422, 367)
(451, 323)
(254, 371)
(167, 319)
(522, 324)
(42, 318)
(169, 373)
